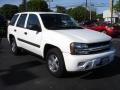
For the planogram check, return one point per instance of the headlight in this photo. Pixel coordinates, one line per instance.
(78, 48)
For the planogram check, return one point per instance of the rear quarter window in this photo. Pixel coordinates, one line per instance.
(13, 20)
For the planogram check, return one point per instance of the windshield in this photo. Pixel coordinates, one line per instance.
(59, 22)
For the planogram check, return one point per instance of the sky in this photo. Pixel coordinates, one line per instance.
(104, 3)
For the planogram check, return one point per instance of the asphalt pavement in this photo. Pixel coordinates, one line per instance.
(29, 72)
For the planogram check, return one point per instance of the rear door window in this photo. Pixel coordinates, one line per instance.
(21, 21)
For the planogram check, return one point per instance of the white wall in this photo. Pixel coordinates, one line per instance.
(107, 16)
(107, 13)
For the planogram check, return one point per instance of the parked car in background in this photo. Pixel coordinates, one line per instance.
(87, 22)
(111, 30)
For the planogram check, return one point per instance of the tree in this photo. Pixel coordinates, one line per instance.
(8, 10)
(35, 5)
(78, 13)
(22, 7)
(61, 9)
(93, 15)
(100, 17)
(117, 6)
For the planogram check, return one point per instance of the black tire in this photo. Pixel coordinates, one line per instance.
(15, 50)
(56, 53)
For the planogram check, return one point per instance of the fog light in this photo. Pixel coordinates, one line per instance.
(81, 63)
(88, 66)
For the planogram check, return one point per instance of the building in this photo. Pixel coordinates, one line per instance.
(107, 16)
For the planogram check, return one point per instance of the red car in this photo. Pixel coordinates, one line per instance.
(111, 30)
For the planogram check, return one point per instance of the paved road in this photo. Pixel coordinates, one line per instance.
(28, 72)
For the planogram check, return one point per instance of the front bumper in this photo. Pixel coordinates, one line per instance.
(87, 62)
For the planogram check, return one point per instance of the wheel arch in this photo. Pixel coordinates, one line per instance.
(47, 47)
(10, 38)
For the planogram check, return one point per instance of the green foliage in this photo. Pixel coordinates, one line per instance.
(8, 10)
(61, 9)
(79, 13)
(21, 8)
(35, 5)
(100, 17)
(117, 6)
(93, 15)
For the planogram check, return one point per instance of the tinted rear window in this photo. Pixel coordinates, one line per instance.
(13, 20)
(21, 20)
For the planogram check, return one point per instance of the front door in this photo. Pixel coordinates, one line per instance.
(32, 34)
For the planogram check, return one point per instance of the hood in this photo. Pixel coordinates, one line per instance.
(85, 35)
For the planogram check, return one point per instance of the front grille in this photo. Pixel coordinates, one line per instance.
(99, 51)
(93, 45)
(95, 48)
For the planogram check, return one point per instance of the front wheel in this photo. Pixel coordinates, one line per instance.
(55, 62)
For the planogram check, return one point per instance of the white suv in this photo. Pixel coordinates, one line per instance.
(60, 40)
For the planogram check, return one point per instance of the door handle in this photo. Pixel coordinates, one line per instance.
(25, 33)
(15, 30)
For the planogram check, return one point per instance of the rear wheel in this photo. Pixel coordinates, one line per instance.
(15, 50)
(55, 62)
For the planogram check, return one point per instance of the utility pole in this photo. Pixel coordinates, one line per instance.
(25, 5)
(119, 6)
(90, 11)
(112, 12)
(86, 8)
(111, 9)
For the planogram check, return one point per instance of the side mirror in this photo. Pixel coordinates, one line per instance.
(8, 22)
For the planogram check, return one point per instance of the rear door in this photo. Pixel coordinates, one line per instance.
(20, 30)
